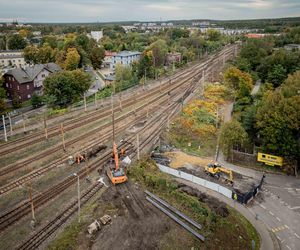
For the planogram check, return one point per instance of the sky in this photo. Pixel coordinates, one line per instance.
(143, 10)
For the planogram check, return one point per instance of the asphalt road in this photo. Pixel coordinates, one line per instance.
(278, 205)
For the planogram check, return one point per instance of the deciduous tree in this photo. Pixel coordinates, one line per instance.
(16, 42)
(66, 87)
(232, 135)
(97, 56)
(72, 59)
(240, 82)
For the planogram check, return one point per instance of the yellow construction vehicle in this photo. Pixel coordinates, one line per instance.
(116, 173)
(215, 170)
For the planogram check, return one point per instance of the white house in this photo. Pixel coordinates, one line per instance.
(13, 58)
(97, 35)
(125, 58)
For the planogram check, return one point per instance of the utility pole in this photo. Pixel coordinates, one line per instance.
(45, 127)
(120, 101)
(63, 136)
(31, 201)
(96, 100)
(4, 128)
(10, 126)
(113, 119)
(84, 100)
(138, 145)
(24, 127)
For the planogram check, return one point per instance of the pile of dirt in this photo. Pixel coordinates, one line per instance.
(180, 158)
(136, 224)
(214, 204)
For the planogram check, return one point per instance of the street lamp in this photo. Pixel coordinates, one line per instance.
(78, 191)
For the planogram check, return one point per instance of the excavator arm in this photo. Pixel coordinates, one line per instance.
(116, 156)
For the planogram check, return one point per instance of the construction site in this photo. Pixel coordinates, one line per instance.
(85, 180)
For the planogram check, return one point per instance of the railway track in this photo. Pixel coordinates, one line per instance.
(39, 237)
(22, 209)
(78, 122)
(88, 118)
(13, 167)
(34, 241)
(28, 177)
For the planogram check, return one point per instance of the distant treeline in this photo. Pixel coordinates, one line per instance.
(268, 25)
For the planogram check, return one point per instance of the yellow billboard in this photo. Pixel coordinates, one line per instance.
(270, 160)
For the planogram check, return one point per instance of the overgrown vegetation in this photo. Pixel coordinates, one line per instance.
(195, 130)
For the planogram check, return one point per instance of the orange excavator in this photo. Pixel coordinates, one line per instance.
(116, 173)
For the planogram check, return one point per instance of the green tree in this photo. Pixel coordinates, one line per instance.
(145, 66)
(46, 54)
(72, 59)
(124, 78)
(277, 75)
(159, 51)
(30, 54)
(97, 56)
(36, 100)
(213, 35)
(278, 119)
(66, 87)
(16, 42)
(240, 82)
(256, 50)
(232, 135)
(83, 41)
(50, 40)
(16, 101)
(3, 43)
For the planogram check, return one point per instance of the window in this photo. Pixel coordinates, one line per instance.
(28, 96)
(19, 97)
(43, 75)
(27, 86)
(6, 85)
(18, 87)
(10, 86)
(263, 156)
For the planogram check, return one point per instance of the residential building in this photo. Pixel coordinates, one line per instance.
(125, 58)
(173, 57)
(12, 58)
(292, 47)
(23, 82)
(97, 35)
(108, 57)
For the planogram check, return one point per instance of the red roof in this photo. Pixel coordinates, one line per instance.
(109, 53)
(255, 35)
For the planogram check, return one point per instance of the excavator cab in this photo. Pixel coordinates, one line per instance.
(116, 173)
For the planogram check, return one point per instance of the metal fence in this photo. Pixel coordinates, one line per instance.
(197, 180)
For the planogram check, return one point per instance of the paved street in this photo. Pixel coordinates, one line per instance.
(278, 205)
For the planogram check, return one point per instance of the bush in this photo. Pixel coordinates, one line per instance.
(36, 101)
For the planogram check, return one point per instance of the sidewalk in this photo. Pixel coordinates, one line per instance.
(266, 240)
